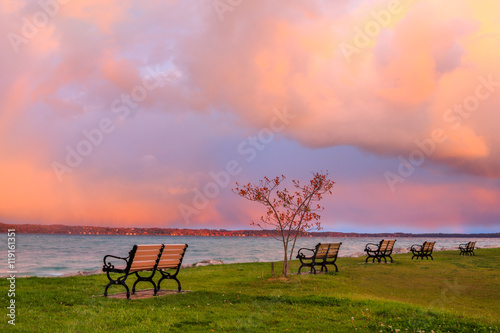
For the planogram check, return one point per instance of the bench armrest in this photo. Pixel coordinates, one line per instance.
(416, 247)
(368, 248)
(108, 265)
(301, 255)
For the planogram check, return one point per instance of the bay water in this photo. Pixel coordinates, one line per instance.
(47, 255)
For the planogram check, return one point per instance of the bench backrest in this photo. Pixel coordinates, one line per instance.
(172, 256)
(386, 246)
(471, 246)
(428, 246)
(327, 250)
(144, 257)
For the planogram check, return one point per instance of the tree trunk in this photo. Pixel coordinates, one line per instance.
(285, 261)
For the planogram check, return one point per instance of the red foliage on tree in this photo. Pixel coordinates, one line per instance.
(291, 213)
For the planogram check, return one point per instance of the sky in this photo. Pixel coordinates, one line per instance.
(135, 113)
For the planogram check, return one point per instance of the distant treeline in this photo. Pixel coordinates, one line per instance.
(89, 230)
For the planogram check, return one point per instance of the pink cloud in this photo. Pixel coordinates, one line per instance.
(365, 103)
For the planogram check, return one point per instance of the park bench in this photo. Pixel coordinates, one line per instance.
(323, 254)
(380, 251)
(142, 258)
(467, 249)
(424, 250)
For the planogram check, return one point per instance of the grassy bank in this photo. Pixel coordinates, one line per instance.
(450, 294)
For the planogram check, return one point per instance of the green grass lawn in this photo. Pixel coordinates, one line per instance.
(450, 294)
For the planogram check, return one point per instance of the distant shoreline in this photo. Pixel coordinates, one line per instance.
(105, 231)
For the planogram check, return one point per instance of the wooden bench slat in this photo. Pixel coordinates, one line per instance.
(168, 262)
(142, 257)
(141, 268)
(175, 246)
(136, 268)
(137, 261)
(167, 267)
(145, 267)
(170, 256)
(173, 251)
(149, 247)
(136, 264)
(156, 251)
(148, 250)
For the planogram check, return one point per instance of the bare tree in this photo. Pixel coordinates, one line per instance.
(290, 213)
